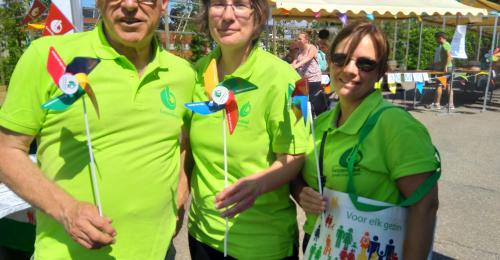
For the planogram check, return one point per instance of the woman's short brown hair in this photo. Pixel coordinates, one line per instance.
(357, 31)
(260, 9)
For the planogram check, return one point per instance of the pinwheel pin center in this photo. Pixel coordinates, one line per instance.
(68, 84)
(220, 95)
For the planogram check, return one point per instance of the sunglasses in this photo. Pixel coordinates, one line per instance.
(363, 63)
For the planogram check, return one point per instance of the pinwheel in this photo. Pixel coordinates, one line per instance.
(301, 107)
(72, 80)
(222, 98)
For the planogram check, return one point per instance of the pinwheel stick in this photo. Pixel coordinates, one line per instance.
(95, 187)
(320, 185)
(309, 112)
(225, 177)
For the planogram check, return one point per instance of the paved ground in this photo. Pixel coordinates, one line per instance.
(469, 215)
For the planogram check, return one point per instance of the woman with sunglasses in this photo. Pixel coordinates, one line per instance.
(394, 158)
(265, 151)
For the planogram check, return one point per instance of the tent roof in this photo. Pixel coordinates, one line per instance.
(477, 21)
(324, 9)
(488, 5)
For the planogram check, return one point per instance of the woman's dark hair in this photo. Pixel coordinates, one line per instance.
(357, 31)
(260, 9)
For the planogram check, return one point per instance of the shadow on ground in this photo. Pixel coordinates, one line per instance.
(438, 256)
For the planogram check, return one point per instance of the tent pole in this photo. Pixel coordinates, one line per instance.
(420, 44)
(407, 43)
(77, 15)
(491, 63)
(274, 37)
(443, 27)
(395, 39)
(479, 43)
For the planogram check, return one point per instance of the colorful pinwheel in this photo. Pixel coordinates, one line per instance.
(302, 107)
(221, 97)
(72, 80)
(299, 99)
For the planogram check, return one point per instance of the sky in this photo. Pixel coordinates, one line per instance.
(88, 3)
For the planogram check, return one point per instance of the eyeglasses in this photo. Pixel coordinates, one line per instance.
(363, 63)
(239, 9)
(140, 2)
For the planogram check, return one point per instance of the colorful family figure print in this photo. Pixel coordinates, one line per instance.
(329, 221)
(339, 235)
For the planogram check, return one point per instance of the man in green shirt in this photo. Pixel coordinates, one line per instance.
(442, 62)
(140, 91)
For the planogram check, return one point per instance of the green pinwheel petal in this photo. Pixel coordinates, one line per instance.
(63, 101)
(238, 85)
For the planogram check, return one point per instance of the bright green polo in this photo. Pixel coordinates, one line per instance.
(397, 146)
(135, 141)
(266, 127)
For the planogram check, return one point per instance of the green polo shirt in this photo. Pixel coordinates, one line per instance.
(397, 146)
(135, 142)
(266, 127)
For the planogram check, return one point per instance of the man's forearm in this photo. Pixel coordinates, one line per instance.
(22, 176)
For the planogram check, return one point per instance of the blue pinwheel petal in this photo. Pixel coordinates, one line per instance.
(63, 101)
(82, 65)
(301, 103)
(204, 108)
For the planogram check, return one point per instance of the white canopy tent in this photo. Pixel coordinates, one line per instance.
(380, 9)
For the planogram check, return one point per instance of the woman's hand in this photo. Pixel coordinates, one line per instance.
(311, 201)
(239, 196)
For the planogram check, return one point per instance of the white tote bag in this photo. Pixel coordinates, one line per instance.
(344, 232)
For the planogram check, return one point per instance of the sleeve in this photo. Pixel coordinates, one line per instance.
(288, 135)
(21, 111)
(410, 150)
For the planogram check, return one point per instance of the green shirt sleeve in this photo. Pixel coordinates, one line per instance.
(410, 150)
(288, 135)
(21, 111)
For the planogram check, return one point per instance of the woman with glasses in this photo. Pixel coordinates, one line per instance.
(307, 65)
(395, 157)
(264, 152)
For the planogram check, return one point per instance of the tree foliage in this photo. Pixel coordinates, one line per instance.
(13, 40)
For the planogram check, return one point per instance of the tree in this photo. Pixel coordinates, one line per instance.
(13, 39)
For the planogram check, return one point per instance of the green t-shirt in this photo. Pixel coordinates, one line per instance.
(397, 146)
(135, 142)
(266, 126)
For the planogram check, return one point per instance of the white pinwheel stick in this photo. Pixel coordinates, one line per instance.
(226, 182)
(95, 186)
(318, 173)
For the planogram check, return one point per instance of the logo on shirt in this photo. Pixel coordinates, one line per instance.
(245, 109)
(168, 98)
(344, 159)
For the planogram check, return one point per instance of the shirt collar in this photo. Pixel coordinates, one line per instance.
(105, 51)
(357, 118)
(244, 70)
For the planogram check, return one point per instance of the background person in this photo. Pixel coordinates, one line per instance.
(396, 156)
(264, 153)
(308, 68)
(135, 139)
(442, 62)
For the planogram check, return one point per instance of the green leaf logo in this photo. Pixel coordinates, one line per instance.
(245, 109)
(168, 98)
(343, 161)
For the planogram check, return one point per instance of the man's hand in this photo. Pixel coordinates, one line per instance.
(242, 195)
(311, 201)
(86, 227)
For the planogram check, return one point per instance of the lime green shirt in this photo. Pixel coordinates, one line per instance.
(266, 127)
(397, 146)
(135, 142)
